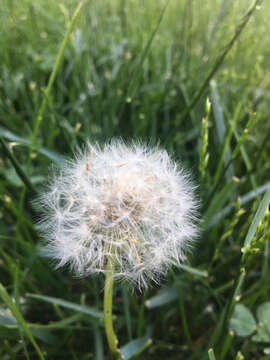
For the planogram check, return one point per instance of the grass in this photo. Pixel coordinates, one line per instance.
(140, 69)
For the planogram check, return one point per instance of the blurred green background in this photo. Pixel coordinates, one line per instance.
(139, 69)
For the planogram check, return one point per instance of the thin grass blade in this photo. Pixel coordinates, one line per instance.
(257, 218)
(69, 305)
(48, 89)
(22, 175)
(220, 59)
(17, 314)
(52, 155)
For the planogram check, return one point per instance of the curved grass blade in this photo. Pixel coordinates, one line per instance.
(69, 305)
(52, 155)
(22, 175)
(136, 347)
(257, 218)
(243, 200)
(9, 327)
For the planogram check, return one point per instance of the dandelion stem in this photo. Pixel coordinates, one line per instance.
(108, 295)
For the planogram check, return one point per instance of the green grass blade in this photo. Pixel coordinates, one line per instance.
(22, 175)
(135, 347)
(52, 155)
(69, 305)
(238, 284)
(240, 148)
(194, 271)
(226, 156)
(257, 218)
(135, 77)
(220, 59)
(17, 314)
(219, 201)
(48, 89)
(243, 200)
(58, 325)
(226, 345)
(163, 297)
(218, 112)
(218, 329)
(211, 354)
(184, 321)
(253, 119)
(127, 311)
(99, 352)
(246, 159)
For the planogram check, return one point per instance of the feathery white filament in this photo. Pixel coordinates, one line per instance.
(130, 203)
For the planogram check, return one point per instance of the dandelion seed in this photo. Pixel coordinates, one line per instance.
(131, 205)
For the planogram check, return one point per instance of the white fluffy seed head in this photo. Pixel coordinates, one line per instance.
(131, 205)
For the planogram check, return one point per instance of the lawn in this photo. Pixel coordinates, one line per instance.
(191, 76)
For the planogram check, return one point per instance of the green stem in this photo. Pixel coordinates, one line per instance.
(108, 295)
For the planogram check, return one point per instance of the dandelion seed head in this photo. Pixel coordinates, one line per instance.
(130, 204)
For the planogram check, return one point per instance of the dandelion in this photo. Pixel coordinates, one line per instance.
(128, 211)
(131, 204)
